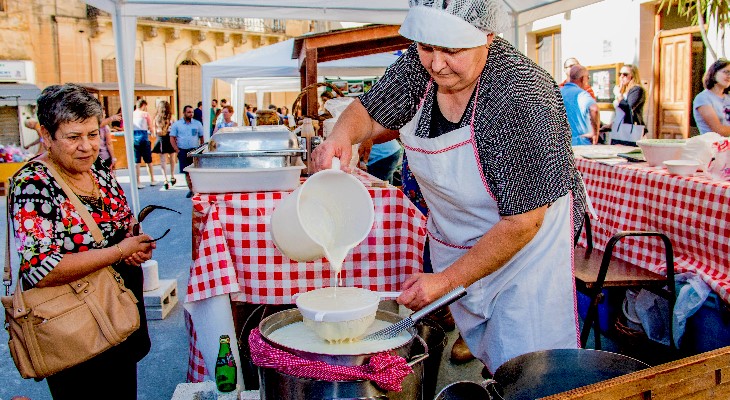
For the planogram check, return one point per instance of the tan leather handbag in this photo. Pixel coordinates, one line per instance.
(54, 328)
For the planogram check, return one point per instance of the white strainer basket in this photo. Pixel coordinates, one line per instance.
(338, 314)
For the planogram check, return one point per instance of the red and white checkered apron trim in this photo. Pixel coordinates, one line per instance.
(692, 212)
(384, 369)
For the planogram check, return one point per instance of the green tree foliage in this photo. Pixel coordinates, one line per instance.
(700, 12)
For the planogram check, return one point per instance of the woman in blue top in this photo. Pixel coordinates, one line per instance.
(711, 107)
(227, 112)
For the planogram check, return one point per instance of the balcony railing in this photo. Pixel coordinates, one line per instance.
(254, 25)
(257, 25)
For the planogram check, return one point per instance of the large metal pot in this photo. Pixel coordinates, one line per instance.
(249, 147)
(276, 385)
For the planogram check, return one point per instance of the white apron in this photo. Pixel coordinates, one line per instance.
(528, 304)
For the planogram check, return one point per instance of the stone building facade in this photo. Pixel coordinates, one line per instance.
(69, 41)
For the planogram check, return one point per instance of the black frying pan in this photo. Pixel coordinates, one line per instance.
(544, 373)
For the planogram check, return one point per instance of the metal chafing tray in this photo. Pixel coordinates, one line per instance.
(249, 147)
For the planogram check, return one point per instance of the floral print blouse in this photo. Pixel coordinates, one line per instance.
(411, 188)
(46, 224)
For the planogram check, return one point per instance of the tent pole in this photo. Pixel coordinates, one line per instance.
(125, 35)
(207, 89)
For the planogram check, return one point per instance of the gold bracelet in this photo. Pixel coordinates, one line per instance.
(121, 254)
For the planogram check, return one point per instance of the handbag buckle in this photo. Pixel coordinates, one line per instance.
(80, 286)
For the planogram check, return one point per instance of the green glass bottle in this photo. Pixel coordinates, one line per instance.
(225, 366)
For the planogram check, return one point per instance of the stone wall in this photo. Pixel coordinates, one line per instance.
(67, 46)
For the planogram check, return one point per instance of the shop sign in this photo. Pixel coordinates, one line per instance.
(12, 71)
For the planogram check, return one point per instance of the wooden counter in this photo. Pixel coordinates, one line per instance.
(7, 170)
(120, 151)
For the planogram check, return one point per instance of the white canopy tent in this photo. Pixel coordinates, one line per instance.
(124, 15)
(271, 68)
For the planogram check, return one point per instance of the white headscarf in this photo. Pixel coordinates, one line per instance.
(454, 24)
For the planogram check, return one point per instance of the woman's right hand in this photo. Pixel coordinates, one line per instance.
(137, 249)
(334, 146)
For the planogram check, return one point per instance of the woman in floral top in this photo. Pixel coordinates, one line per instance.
(55, 245)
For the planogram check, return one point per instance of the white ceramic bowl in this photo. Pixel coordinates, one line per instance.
(656, 151)
(682, 167)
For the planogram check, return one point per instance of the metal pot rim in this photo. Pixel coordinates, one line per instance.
(287, 317)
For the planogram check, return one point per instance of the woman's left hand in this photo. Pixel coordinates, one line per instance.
(139, 257)
(420, 290)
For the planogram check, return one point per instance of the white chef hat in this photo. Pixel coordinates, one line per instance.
(456, 24)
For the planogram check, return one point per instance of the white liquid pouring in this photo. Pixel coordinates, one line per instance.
(323, 225)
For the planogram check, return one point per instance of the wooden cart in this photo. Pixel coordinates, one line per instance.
(704, 376)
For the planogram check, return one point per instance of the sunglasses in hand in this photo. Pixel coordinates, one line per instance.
(141, 217)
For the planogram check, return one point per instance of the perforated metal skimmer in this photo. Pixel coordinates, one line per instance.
(395, 329)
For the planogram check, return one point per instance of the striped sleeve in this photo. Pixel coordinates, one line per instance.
(394, 99)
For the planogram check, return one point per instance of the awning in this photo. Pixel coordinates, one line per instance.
(140, 89)
(15, 94)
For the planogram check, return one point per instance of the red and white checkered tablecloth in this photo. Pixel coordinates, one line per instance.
(233, 252)
(693, 212)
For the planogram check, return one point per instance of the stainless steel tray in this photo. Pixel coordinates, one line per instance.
(246, 138)
(249, 147)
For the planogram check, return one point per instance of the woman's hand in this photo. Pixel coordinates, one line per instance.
(334, 146)
(135, 250)
(420, 290)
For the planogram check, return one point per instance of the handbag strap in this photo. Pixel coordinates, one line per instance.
(74, 199)
(7, 272)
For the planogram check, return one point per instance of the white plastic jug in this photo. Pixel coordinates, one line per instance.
(328, 215)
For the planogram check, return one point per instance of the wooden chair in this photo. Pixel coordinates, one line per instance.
(592, 274)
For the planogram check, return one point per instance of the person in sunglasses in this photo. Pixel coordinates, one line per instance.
(55, 246)
(630, 99)
(488, 140)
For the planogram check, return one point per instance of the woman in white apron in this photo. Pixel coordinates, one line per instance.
(487, 138)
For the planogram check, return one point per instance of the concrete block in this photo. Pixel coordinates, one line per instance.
(159, 302)
(207, 391)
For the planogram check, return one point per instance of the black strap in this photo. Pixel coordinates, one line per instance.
(7, 273)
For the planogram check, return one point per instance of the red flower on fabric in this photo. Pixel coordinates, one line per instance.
(36, 227)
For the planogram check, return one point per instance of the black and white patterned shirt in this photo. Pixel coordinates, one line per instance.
(521, 129)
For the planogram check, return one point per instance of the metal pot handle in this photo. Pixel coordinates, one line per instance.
(199, 149)
(416, 359)
(492, 387)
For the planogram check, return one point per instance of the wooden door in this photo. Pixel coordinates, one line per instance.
(674, 106)
(189, 86)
